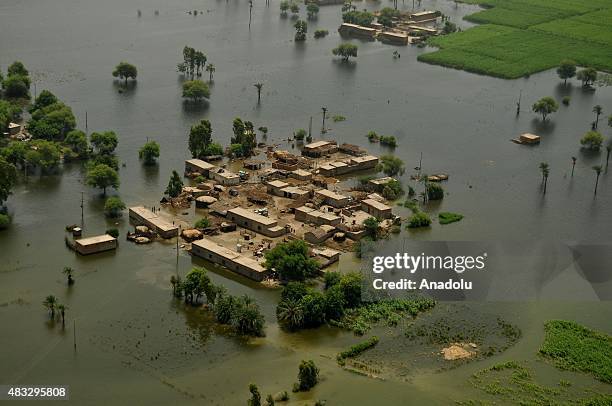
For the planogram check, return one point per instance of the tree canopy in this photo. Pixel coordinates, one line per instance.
(346, 51)
(102, 176)
(545, 106)
(8, 178)
(175, 185)
(149, 152)
(587, 76)
(592, 140)
(566, 69)
(104, 143)
(125, 71)
(195, 90)
(52, 121)
(391, 165)
(291, 261)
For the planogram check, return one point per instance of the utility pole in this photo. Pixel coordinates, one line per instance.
(420, 164)
(86, 130)
(323, 130)
(74, 333)
(82, 209)
(310, 128)
(518, 105)
(250, 12)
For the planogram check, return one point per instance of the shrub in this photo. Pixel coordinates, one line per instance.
(113, 207)
(202, 223)
(435, 191)
(392, 190)
(448, 217)
(5, 220)
(320, 33)
(566, 100)
(113, 232)
(308, 375)
(372, 136)
(592, 140)
(418, 220)
(357, 349)
(388, 140)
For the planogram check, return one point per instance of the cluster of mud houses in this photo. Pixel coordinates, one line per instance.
(195, 167)
(407, 28)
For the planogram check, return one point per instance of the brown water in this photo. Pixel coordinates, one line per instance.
(135, 345)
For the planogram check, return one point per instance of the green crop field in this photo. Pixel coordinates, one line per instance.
(521, 37)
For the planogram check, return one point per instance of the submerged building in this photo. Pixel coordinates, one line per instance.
(218, 254)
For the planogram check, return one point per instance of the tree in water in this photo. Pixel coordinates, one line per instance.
(258, 86)
(597, 169)
(308, 376)
(255, 396)
(50, 303)
(566, 70)
(68, 272)
(125, 71)
(545, 106)
(175, 185)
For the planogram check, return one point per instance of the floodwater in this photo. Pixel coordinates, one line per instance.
(135, 345)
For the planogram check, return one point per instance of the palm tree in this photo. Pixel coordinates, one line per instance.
(62, 309)
(608, 149)
(258, 86)
(50, 303)
(597, 169)
(573, 164)
(597, 110)
(290, 312)
(68, 272)
(543, 167)
(545, 173)
(210, 68)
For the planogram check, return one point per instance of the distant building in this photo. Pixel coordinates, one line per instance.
(424, 16)
(224, 177)
(380, 183)
(351, 149)
(301, 174)
(332, 198)
(231, 260)
(93, 245)
(143, 216)
(198, 166)
(320, 148)
(274, 187)
(376, 209)
(319, 234)
(255, 222)
(309, 215)
(364, 162)
(393, 38)
(358, 31)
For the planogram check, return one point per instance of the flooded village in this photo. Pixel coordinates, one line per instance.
(191, 193)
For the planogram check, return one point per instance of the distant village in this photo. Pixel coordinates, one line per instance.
(268, 201)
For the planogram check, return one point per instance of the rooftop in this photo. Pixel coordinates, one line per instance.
(318, 144)
(331, 194)
(228, 254)
(95, 240)
(278, 183)
(239, 211)
(376, 204)
(301, 172)
(200, 164)
(366, 158)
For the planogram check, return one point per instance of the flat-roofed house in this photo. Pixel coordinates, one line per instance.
(364, 162)
(93, 245)
(332, 198)
(359, 31)
(312, 216)
(224, 177)
(376, 209)
(255, 222)
(294, 192)
(274, 187)
(394, 38)
(301, 174)
(231, 260)
(320, 148)
(143, 216)
(198, 166)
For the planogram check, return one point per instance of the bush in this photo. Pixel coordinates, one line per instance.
(5, 220)
(308, 375)
(566, 100)
(113, 207)
(202, 223)
(435, 191)
(388, 140)
(357, 349)
(320, 33)
(372, 136)
(291, 261)
(448, 217)
(592, 140)
(392, 190)
(418, 220)
(113, 232)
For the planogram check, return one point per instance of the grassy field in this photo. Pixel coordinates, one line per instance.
(576, 348)
(521, 37)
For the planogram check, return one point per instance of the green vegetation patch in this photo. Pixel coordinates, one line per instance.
(357, 349)
(521, 37)
(576, 348)
(513, 383)
(448, 217)
(389, 312)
